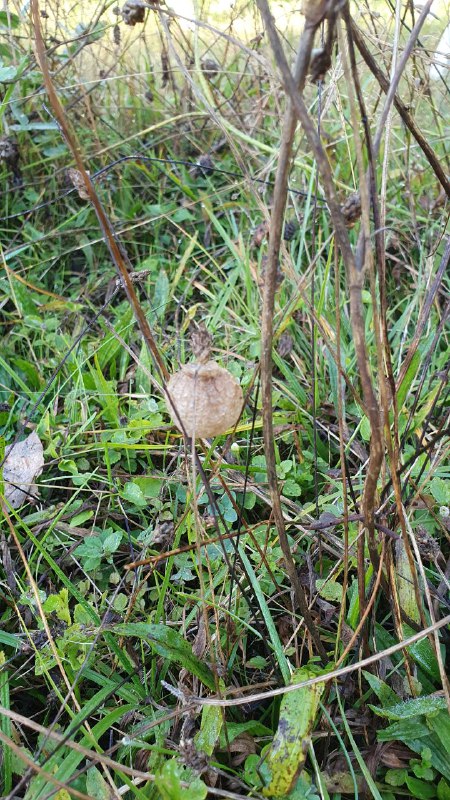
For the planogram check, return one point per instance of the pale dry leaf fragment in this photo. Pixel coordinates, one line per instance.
(24, 461)
(78, 183)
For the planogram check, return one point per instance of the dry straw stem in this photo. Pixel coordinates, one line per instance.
(275, 235)
(383, 129)
(391, 92)
(118, 256)
(354, 271)
(336, 673)
(367, 189)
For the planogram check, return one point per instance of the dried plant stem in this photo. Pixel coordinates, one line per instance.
(354, 271)
(118, 256)
(388, 583)
(336, 673)
(275, 233)
(366, 266)
(383, 81)
(395, 80)
(392, 442)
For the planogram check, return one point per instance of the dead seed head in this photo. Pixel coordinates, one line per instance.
(351, 209)
(205, 398)
(133, 12)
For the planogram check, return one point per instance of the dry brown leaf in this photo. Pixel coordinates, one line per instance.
(23, 463)
(78, 183)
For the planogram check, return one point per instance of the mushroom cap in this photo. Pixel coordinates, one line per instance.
(208, 399)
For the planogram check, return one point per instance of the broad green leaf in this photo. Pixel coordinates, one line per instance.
(106, 394)
(289, 747)
(169, 644)
(96, 785)
(413, 708)
(79, 519)
(35, 126)
(59, 604)
(9, 20)
(161, 294)
(7, 74)
(120, 602)
(408, 378)
(329, 590)
(420, 789)
(210, 727)
(18, 765)
(405, 583)
(364, 429)
(134, 494)
(385, 694)
(424, 655)
(439, 754)
(440, 489)
(440, 724)
(112, 542)
(443, 790)
(396, 777)
(169, 782)
(257, 662)
(235, 729)
(149, 486)
(291, 488)
(405, 729)
(10, 639)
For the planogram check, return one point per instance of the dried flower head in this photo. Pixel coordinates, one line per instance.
(203, 167)
(320, 64)
(210, 67)
(133, 12)
(202, 397)
(351, 209)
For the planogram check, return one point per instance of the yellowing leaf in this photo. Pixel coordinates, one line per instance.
(288, 750)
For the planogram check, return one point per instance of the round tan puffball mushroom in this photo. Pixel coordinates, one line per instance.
(208, 399)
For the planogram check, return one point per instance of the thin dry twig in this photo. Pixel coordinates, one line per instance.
(336, 673)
